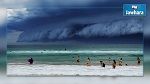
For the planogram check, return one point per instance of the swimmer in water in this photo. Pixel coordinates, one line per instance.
(102, 64)
(88, 62)
(114, 64)
(30, 61)
(78, 59)
(138, 60)
(120, 62)
(88, 58)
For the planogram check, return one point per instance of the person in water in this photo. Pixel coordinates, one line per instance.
(88, 62)
(120, 62)
(89, 59)
(102, 64)
(114, 64)
(78, 59)
(138, 60)
(30, 61)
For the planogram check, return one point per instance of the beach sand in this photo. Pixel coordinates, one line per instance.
(72, 70)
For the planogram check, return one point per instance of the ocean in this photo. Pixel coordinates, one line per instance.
(59, 54)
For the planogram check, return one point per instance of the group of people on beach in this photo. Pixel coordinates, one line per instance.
(88, 62)
(114, 64)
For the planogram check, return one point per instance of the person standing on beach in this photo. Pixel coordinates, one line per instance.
(138, 60)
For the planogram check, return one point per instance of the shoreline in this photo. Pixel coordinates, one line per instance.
(72, 70)
(70, 64)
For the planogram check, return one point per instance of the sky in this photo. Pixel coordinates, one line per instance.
(67, 3)
(94, 21)
(3, 28)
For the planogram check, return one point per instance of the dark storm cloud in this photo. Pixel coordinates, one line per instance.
(39, 17)
(65, 3)
(52, 24)
(2, 30)
(109, 29)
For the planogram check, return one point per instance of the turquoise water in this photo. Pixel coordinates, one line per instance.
(2, 63)
(68, 54)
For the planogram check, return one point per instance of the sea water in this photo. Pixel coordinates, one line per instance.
(68, 54)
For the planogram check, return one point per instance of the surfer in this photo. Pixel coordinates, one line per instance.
(30, 61)
(114, 64)
(138, 60)
(120, 62)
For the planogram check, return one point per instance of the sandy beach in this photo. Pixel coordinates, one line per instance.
(72, 70)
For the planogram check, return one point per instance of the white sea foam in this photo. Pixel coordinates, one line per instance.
(53, 70)
(74, 52)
